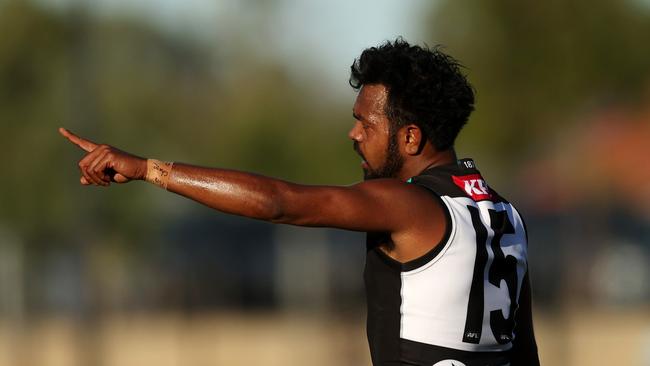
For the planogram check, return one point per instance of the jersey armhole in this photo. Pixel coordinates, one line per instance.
(444, 241)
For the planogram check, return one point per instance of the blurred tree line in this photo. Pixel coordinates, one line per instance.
(539, 67)
(121, 81)
(536, 67)
(152, 93)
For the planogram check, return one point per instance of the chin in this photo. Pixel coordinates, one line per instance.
(368, 175)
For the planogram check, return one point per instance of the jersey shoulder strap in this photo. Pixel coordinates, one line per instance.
(460, 179)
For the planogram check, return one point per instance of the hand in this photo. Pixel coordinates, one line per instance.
(104, 164)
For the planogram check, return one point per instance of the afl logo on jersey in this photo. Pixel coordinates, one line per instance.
(449, 363)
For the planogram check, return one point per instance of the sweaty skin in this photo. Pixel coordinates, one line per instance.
(415, 220)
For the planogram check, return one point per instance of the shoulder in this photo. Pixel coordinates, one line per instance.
(414, 202)
(411, 205)
(421, 217)
(395, 191)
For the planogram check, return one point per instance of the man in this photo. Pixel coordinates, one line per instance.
(446, 268)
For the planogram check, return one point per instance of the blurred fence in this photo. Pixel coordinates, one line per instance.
(574, 337)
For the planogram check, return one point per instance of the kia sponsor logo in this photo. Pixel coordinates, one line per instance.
(474, 186)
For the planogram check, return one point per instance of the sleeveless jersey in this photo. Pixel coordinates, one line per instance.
(456, 304)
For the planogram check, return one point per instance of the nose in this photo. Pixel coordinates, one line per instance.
(355, 133)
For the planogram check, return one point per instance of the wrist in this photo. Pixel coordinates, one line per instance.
(158, 172)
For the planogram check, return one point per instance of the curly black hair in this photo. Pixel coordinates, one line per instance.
(425, 87)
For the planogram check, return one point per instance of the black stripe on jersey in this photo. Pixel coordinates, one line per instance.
(383, 289)
(422, 354)
(474, 320)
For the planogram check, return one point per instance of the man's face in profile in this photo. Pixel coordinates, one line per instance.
(373, 138)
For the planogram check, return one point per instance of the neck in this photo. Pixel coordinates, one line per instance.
(418, 164)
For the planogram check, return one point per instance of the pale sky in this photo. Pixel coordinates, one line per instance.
(337, 31)
(323, 36)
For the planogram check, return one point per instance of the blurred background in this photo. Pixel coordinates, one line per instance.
(132, 275)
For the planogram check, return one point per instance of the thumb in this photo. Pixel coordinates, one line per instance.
(119, 178)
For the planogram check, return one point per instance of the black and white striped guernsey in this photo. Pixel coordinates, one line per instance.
(457, 303)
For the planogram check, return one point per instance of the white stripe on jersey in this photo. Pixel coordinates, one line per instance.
(435, 296)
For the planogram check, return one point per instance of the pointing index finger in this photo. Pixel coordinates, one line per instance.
(82, 143)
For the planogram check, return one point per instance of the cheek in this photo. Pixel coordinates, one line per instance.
(377, 152)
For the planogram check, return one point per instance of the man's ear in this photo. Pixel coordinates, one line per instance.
(413, 139)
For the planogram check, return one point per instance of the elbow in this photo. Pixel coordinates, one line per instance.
(280, 212)
(277, 210)
(276, 214)
(287, 206)
(279, 219)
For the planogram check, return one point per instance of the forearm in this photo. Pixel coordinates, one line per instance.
(354, 207)
(230, 191)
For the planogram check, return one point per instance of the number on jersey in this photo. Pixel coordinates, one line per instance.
(502, 268)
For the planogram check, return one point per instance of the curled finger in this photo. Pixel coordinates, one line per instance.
(83, 166)
(96, 169)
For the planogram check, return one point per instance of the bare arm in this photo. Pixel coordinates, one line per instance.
(364, 206)
(367, 206)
